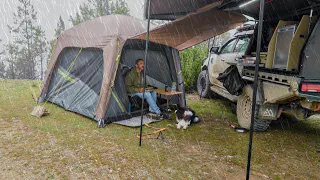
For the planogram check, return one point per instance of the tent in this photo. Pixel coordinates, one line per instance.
(86, 72)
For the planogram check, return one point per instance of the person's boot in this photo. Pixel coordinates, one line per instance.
(155, 116)
(165, 116)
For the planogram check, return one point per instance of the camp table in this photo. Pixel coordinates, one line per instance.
(168, 94)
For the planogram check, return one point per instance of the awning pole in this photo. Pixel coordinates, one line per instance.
(145, 70)
(255, 86)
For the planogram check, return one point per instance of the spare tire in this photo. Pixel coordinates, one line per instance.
(244, 109)
(203, 85)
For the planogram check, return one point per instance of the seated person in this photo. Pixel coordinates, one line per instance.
(134, 85)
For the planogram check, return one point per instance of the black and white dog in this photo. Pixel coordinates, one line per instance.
(185, 117)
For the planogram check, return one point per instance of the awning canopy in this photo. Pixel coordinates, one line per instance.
(173, 9)
(274, 9)
(194, 28)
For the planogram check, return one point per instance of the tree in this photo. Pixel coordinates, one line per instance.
(11, 58)
(191, 60)
(121, 7)
(40, 47)
(60, 28)
(1, 52)
(29, 38)
(2, 69)
(2, 65)
(97, 8)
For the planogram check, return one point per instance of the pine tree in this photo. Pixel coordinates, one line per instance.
(11, 57)
(2, 65)
(60, 28)
(28, 36)
(40, 47)
(121, 7)
(1, 52)
(97, 8)
(2, 69)
(76, 20)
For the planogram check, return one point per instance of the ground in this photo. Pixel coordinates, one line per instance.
(65, 145)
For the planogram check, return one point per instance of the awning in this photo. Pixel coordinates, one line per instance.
(274, 9)
(173, 9)
(194, 28)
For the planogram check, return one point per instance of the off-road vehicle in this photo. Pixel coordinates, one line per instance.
(289, 73)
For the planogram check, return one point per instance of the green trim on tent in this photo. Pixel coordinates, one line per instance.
(66, 76)
(68, 70)
(118, 101)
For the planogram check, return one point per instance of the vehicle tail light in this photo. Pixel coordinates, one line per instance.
(310, 88)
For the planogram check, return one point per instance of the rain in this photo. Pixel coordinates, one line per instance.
(159, 89)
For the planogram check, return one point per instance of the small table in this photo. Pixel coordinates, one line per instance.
(168, 94)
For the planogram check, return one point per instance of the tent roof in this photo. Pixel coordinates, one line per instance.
(107, 26)
(194, 28)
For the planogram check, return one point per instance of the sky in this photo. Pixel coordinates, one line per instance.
(49, 12)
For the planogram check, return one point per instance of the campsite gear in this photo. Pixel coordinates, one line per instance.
(165, 115)
(85, 73)
(168, 95)
(135, 121)
(129, 107)
(173, 87)
(241, 130)
(155, 116)
(158, 131)
(232, 80)
(39, 111)
(151, 98)
(144, 73)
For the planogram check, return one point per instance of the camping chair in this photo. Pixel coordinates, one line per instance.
(135, 101)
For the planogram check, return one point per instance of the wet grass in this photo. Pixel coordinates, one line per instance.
(65, 145)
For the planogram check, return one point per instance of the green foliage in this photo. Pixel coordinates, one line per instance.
(60, 28)
(191, 60)
(96, 8)
(2, 69)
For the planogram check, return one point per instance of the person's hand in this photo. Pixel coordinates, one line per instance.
(141, 90)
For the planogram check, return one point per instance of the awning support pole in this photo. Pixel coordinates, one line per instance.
(145, 70)
(255, 86)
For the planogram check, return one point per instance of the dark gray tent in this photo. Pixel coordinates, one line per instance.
(86, 72)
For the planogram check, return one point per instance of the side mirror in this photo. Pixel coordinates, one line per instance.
(214, 50)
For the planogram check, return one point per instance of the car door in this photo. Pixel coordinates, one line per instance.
(227, 56)
(219, 61)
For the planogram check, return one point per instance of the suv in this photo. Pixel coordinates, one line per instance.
(289, 83)
(219, 59)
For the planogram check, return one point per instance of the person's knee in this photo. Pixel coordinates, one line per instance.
(147, 95)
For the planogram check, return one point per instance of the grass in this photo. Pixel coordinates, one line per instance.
(65, 145)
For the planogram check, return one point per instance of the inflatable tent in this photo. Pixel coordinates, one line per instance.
(87, 69)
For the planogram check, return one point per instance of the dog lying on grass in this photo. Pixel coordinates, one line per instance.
(185, 117)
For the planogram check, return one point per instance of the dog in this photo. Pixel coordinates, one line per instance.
(185, 117)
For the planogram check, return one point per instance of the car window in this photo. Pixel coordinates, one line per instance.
(228, 48)
(242, 44)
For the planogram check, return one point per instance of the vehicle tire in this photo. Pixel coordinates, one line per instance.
(203, 85)
(244, 109)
